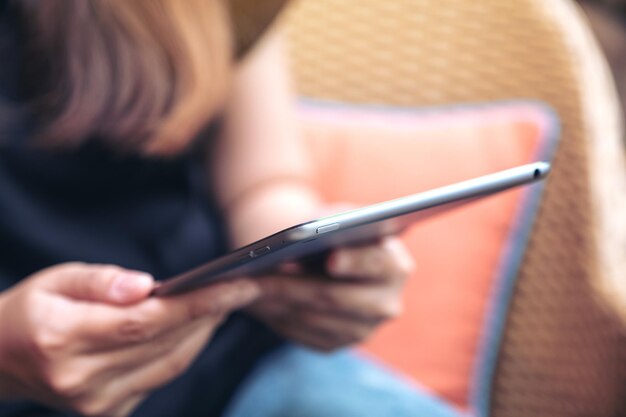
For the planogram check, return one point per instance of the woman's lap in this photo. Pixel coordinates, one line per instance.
(298, 382)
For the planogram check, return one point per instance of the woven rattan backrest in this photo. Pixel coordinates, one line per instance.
(563, 351)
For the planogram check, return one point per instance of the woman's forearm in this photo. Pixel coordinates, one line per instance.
(271, 207)
(262, 176)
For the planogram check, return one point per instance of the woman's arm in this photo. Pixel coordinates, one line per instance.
(261, 169)
(262, 173)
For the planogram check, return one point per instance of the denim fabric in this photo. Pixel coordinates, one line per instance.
(298, 382)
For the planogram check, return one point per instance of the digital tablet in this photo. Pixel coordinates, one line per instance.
(348, 228)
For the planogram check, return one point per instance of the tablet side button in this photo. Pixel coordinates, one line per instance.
(327, 228)
(258, 252)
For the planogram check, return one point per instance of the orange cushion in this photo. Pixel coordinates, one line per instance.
(367, 154)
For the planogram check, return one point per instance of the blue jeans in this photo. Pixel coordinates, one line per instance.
(297, 382)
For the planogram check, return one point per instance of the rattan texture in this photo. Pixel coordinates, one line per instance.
(564, 351)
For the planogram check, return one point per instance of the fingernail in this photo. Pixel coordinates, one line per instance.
(131, 285)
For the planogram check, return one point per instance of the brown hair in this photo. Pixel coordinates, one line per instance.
(145, 74)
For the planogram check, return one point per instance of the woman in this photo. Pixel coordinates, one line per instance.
(132, 131)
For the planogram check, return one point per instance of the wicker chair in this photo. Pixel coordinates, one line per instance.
(564, 347)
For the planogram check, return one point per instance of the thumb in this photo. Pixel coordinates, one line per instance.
(101, 283)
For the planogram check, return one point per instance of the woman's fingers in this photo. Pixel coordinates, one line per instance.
(128, 406)
(100, 405)
(96, 386)
(166, 367)
(322, 331)
(130, 357)
(301, 335)
(140, 374)
(98, 283)
(102, 327)
(326, 313)
(388, 260)
(368, 301)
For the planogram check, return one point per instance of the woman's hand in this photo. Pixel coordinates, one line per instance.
(88, 338)
(363, 290)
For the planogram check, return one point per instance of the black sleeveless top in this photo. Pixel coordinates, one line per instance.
(96, 206)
